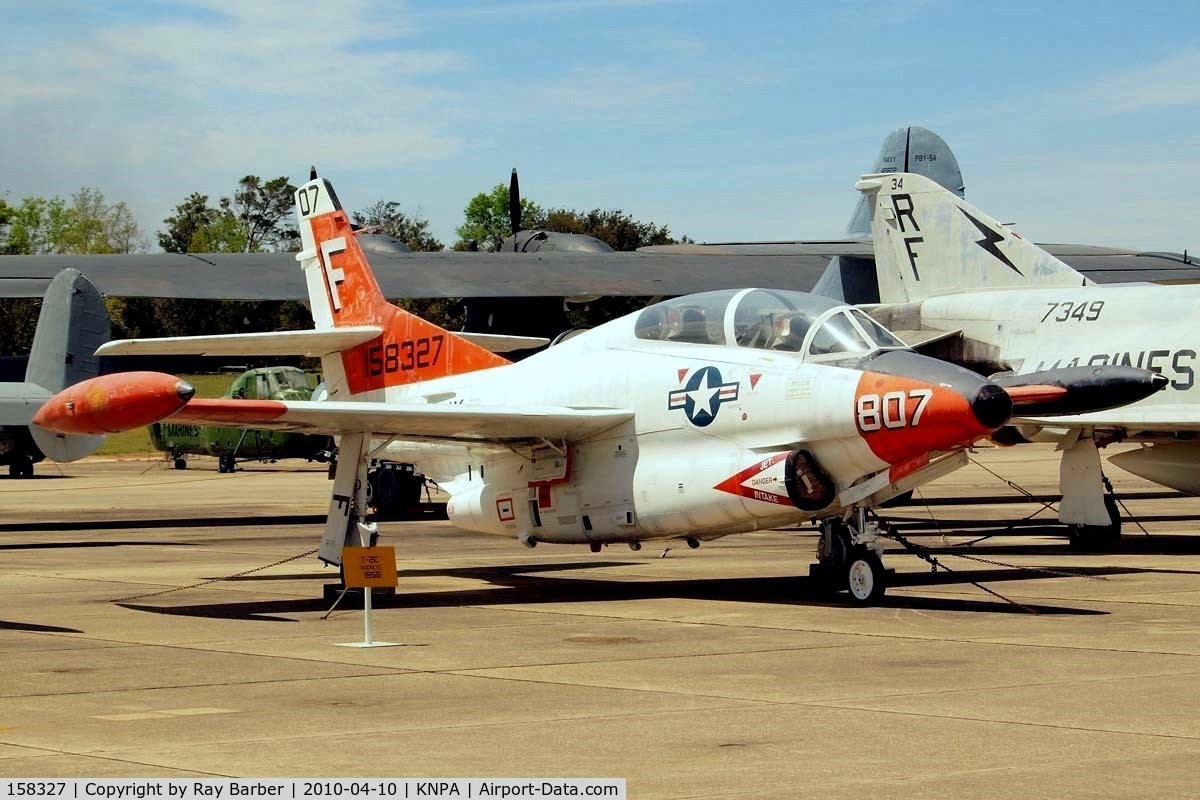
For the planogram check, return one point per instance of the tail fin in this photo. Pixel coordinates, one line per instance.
(910, 149)
(343, 292)
(72, 324)
(919, 151)
(929, 242)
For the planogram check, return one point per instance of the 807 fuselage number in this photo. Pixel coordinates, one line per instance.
(404, 356)
(893, 410)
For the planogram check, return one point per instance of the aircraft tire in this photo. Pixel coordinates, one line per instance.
(866, 579)
(387, 491)
(181, 463)
(1098, 537)
(21, 469)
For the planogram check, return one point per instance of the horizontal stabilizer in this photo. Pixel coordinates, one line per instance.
(277, 343)
(501, 343)
(20, 401)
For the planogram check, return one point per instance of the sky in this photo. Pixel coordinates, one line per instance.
(1077, 121)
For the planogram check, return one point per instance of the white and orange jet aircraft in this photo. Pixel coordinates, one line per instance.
(697, 417)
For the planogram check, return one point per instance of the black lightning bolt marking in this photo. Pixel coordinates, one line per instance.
(989, 240)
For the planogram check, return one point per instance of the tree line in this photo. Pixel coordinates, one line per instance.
(257, 216)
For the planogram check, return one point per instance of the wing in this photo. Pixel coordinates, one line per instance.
(1166, 418)
(277, 276)
(661, 270)
(415, 421)
(1100, 264)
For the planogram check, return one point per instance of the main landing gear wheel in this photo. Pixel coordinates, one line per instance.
(181, 463)
(22, 468)
(833, 550)
(866, 579)
(1098, 537)
(848, 557)
(226, 464)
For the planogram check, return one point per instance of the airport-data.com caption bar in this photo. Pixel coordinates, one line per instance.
(297, 789)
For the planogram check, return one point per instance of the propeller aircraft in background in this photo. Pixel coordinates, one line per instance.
(568, 265)
(72, 323)
(707, 415)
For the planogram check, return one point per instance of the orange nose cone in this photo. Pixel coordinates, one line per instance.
(901, 418)
(114, 403)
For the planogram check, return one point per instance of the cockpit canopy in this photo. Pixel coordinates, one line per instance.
(817, 327)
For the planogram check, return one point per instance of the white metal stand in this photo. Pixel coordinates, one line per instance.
(366, 642)
(366, 533)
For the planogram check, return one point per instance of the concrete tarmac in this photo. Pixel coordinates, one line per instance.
(716, 672)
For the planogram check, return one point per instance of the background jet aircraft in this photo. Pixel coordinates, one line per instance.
(993, 301)
(71, 325)
(698, 417)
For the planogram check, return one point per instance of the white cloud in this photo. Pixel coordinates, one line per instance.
(150, 110)
(543, 7)
(1169, 83)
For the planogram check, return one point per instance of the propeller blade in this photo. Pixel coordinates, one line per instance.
(514, 203)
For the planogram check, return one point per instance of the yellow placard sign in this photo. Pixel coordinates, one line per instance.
(369, 566)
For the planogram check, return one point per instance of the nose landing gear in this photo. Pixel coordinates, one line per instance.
(848, 557)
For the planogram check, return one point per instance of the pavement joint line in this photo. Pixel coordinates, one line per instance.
(821, 703)
(99, 644)
(1006, 687)
(635, 660)
(751, 626)
(863, 634)
(736, 703)
(1016, 723)
(51, 752)
(636, 689)
(396, 671)
(149, 764)
(958, 640)
(357, 734)
(1125, 602)
(302, 660)
(1098, 601)
(1075, 601)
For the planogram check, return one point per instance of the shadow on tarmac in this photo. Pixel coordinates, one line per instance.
(6, 625)
(68, 545)
(40, 477)
(520, 584)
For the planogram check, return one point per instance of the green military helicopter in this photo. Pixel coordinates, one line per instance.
(231, 445)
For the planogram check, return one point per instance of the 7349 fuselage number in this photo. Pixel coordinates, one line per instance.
(1066, 311)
